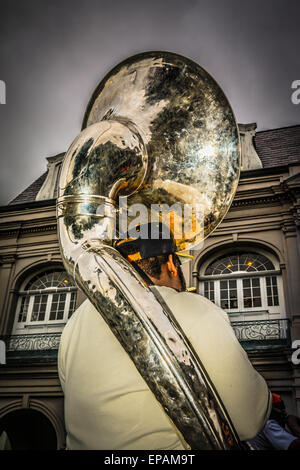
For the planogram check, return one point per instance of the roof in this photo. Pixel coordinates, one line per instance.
(29, 194)
(275, 147)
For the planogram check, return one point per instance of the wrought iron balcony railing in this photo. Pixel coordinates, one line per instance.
(253, 334)
(40, 346)
(262, 334)
(36, 342)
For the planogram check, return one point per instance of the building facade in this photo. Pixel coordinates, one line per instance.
(250, 266)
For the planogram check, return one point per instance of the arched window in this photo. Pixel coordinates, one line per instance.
(45, 303)
(243, 282)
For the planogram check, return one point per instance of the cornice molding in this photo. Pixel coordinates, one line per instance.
(251, 201)
(8, 258)
(22, 206)
(291, 186)
(15, 232)
(42, 228)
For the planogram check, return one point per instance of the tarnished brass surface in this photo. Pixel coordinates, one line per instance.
(188, 129)
(159, 131)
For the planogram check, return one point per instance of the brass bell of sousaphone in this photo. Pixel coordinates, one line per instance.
(158, 133)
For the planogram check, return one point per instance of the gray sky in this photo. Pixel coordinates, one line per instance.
(54, 53)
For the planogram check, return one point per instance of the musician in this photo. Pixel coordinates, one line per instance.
(274, 435)
(107, 403)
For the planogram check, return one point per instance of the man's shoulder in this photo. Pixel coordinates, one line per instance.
(83, 314)
(169, 292)
(84, 307)
(192, 302)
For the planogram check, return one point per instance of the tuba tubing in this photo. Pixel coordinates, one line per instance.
(154, 341)
(114, 157)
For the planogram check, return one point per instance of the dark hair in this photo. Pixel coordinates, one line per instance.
(152, 266)
(278, 413)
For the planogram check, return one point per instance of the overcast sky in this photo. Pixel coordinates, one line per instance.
(54, 53)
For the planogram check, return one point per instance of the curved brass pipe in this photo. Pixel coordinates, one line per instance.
(109, 159)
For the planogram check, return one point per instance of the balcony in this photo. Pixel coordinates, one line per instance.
(42, 347)
(253, 335)
(262, 334)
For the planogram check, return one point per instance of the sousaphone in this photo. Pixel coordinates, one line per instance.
(158, 131)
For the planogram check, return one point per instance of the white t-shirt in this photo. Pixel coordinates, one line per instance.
(109, 406)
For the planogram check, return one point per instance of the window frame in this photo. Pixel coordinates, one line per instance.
(270, 310)
(21, 327)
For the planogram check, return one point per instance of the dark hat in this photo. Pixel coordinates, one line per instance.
(155, 239)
